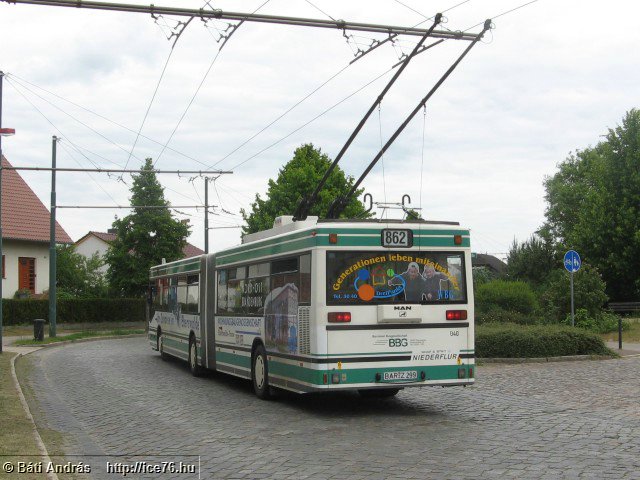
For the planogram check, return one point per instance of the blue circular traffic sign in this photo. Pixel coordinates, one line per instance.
(572, 261)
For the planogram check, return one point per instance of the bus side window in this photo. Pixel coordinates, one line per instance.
(193, 294)
(222, 291)
(305, 279)
(172, 294)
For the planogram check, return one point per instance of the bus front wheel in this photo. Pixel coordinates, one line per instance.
(260, 374)
(163, 355)
(196, 370)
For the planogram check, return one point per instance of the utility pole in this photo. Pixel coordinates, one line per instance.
(206, 214)
(1, 256)
(52, 243)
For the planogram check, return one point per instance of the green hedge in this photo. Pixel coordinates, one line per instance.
(524, 341)
(76, 310)
(505, 295)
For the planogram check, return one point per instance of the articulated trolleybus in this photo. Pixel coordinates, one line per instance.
(323, 305)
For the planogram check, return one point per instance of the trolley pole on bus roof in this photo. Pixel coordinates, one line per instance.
(52, 243)
(206, 214)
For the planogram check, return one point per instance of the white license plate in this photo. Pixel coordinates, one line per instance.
(403, 375)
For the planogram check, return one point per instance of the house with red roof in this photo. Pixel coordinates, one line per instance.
(98, 243)
(25, 236)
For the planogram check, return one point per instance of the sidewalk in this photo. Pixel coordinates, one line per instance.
(629, 349)
(7, 344)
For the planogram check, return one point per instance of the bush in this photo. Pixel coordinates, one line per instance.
(505, 295)
(517, 341)
(76, 310)
(498, 315)
(603, 322)
(588, 288)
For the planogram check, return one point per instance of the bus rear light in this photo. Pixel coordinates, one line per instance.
(462, 372)
(325, 378)
(456, 314)
(457, 239)
(339, 317)
(333, 238)
(335, 378)
(470, 372)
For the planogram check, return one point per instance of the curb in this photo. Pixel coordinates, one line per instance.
(568, 358)
(41, 446)
(79, 340)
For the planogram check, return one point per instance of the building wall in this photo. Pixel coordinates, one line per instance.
(12, 249)
(91, 245)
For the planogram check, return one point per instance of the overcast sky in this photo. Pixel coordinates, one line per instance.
(551, 78)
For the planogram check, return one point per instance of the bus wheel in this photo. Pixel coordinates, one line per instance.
(163, 355)
(196, 370)
(381, 393)
(260, 374)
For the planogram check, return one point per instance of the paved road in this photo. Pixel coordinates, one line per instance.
(557, 420)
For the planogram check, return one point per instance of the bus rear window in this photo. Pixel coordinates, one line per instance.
(365, 278)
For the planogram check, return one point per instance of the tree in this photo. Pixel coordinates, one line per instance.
(144, 237)
(532, 260)
(77, 275)
(297, 179)
(594, 206)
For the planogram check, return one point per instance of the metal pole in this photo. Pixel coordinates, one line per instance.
(573, 323)
(52, 244)
(1, 255)
(248, 17)
(206, 214)
(619, 333)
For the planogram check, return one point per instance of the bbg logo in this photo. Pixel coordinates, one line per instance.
(398, 342)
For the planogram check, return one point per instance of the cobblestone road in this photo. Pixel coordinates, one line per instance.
(557, 420)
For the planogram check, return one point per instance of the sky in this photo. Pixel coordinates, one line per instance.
(550, 78)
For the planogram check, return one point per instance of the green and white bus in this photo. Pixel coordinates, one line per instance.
(323, 305)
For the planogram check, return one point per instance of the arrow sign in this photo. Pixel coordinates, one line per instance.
(572, 261)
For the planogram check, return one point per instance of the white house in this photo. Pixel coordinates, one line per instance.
(25, 236)
(98, 242)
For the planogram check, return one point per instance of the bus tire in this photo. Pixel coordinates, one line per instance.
(196, 370)
(260, 374)
(379, 393)
(163, 355)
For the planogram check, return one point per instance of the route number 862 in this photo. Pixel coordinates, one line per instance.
(397, 238)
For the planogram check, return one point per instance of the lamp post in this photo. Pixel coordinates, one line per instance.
(3, 132)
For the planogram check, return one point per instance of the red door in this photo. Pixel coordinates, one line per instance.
(27, 274)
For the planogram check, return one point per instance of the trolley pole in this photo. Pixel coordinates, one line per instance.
(52, 244)
(206, 214)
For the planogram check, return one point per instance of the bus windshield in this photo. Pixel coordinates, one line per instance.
(380, 277)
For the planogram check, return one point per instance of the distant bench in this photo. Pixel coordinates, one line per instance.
(624, 307)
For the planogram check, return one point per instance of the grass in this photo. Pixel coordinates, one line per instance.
(630, 335)
(17, 440)
(63, 328)
(71, 337)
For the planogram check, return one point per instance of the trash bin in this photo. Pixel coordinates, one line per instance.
(38, 329)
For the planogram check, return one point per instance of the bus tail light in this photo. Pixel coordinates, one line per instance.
(470, 372)
(339, 317)
(456, 314)
(457, 239)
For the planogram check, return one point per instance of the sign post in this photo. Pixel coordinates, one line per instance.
(572, 263)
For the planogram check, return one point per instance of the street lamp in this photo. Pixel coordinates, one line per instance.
(4, 132)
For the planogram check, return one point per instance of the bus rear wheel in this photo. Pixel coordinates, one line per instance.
(196, 370)
(379, 393)
(260, 374)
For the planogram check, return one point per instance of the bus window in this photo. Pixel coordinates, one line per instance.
(193, 294)
(223, 276)
(305, 279)
(256, 288)
(235, 286)
(181, 294)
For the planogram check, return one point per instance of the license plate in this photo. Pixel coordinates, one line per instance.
(403, 375)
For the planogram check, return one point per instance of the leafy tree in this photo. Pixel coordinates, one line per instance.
(588, 288)
(297, 179)
(144, 237)
(532, 260)
(77, 275)
(594, 206)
